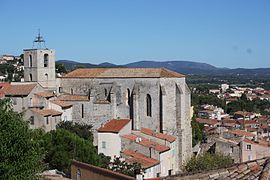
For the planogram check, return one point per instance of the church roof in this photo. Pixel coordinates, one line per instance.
(123, 73)
(63, 104)
(114, 125)
(70, 97)
(45, 94)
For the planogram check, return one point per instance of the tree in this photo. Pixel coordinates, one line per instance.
(82, 130)
(197, 131)
(208, 161)
(60, 68)
(20, 155)
(62, 146)
(126, 168)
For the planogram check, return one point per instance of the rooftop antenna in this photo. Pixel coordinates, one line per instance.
(39, 41)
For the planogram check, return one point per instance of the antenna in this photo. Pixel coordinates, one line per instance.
(39, 41)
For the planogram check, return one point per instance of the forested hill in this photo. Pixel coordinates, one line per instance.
(185, 67)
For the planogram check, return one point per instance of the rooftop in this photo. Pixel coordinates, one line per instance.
(46, 112)
(159, 135)
(256, 169)
(114, 125)
(135, 157)
(241, 133)
(69, 97)
(45, 94)
(19, 89)
(63, 104)
(123, 73)
(146, 142)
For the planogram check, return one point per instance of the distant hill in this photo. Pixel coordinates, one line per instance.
(184, 67)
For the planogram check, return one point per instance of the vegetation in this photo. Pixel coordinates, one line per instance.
(60, 68)
(197, 132)
(125, 168)
(20, 155)
(208, 161)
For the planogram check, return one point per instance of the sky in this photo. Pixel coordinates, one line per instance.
(223, 33)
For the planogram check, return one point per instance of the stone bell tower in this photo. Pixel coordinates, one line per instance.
(39, 64)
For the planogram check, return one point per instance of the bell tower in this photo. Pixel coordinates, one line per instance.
(39, 64)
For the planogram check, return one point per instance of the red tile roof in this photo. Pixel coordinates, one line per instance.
(135, 157)
(207, 121)
(19, 89)
(69, 97)
(241, 133)
(123, 73)
(146, 142)
(159, 135)
(62, 104)
(3, 88)
(45, 94)
(114, 125)
(255, 169)
(46, 112)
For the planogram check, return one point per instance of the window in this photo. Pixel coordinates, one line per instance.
(106, 92)
(46, 59)
(249, 147)
(249, 157)
(46, 76)
(158, 174)
(32, 120)
(60, 89)
(30, 61)
(170, 172)
(78, 174)
(148, 105)
(128, 97)
(47, 120)
(30, 77)
(30, 102)
(103, 144)
(82, 111)
(71, 91)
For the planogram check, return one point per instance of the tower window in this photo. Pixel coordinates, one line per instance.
(71, 91)
(46, 59)
(128, 97)
(106, 92)
(46, 76)
(148, 105)
(30, 61)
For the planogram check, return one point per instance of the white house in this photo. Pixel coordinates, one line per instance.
(109, 140)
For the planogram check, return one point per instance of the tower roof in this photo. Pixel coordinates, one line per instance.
(123, 73)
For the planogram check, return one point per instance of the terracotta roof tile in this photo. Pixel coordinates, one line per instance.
(3, 88)
(256, 169)
(69, 97)
(123, 73)
(63, 104)
(147, 143)
(19, 89)
(135, 157)
(45, 94)
(159, 135)
(241, 133)
(47, 112)
(207, 121)
(114, 125)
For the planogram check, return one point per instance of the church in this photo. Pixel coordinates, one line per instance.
(151, 98)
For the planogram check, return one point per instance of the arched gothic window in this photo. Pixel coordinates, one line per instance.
(148, 105)
(46, 59)
(30, 61)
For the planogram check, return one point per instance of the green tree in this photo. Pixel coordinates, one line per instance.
(20, 155)
(197, 131)
(208, 161)
(62, 146)
(82, 130)
(60, 68)
(126, 168)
